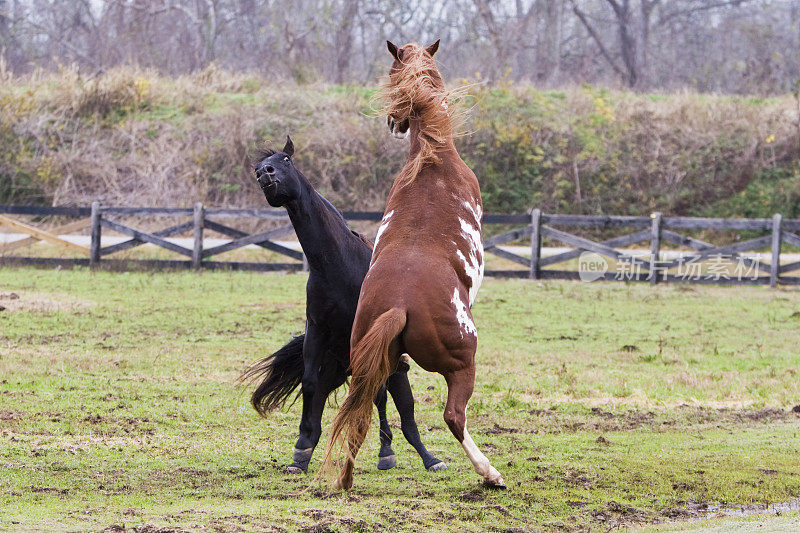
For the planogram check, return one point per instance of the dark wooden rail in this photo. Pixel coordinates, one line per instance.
(534, 227)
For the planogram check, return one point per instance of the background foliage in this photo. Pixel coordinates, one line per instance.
(132, 136)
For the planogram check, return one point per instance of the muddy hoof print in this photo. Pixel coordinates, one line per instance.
(438, 467)
(495, 485)
(294, 469)
(387, 463)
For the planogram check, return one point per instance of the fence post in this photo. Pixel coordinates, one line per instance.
(94, 247)
(199, 223)
(775, 265)
(536, 242)
(655, 246)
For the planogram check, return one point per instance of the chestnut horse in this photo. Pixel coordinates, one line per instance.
(426, 267)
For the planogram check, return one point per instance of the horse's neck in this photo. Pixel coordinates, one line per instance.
(318, 229)
(414, 130)
(445, 170)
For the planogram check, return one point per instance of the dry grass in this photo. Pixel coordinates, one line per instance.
(129, 136)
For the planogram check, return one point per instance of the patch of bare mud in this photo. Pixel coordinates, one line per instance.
(326, 521)
(598, 419)
(638, 401)
(620, 515)
(11, 302)
(146, 528)
(7, 415)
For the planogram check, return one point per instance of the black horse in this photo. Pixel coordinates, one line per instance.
(338, 259)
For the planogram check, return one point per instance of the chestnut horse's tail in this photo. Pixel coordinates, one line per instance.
(369, 361)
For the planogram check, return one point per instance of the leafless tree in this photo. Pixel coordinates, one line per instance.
(717, 45)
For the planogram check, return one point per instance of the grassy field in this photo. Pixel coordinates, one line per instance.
(603, 406)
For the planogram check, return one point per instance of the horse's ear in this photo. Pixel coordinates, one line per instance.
(432, 48)
(288, 149)
(393, 50)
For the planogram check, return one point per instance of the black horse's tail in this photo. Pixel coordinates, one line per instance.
(280, 374)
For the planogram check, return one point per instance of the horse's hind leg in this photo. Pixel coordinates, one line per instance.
(459, 390)
(400, 389)
(386, 457)
(320, 377)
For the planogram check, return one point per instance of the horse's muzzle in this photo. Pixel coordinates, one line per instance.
(265, 175)
(266, 184)
(398, 129)
(266, 180)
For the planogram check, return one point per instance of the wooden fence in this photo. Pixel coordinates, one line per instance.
(595, 258)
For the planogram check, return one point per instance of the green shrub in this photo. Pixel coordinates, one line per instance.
(775, 190)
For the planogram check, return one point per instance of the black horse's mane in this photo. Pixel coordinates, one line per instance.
(259, 155)
(330, 206)
(364, 239)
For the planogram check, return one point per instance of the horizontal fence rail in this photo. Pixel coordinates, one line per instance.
(609, 259)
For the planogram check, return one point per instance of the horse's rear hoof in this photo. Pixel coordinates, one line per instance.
(494, 485)
(387, 463)
(294, 469)
(438, 467)
(342, 484)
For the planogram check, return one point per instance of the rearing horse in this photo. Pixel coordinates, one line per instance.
(426, 267)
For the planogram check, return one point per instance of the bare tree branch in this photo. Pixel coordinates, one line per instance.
(603, 50)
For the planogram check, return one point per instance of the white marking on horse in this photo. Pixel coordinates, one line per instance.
(474, 271)
(462, 315)
(476, 211)
(382, 228)
(479, 461)
(473, 263)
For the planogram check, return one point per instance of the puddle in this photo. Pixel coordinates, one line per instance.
(755, 509)
(702, 511)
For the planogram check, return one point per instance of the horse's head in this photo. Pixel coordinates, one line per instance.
(277, 176)
(408, 57)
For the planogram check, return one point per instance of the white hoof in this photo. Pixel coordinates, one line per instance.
(496, 483)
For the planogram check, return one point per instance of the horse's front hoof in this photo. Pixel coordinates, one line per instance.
(496, 484)
(302, 456)
(438, 467)
(295, 469)
(387, 463)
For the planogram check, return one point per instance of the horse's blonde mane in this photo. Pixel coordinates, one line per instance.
(415, 91)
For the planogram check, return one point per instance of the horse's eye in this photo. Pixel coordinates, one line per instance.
(286, 158)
